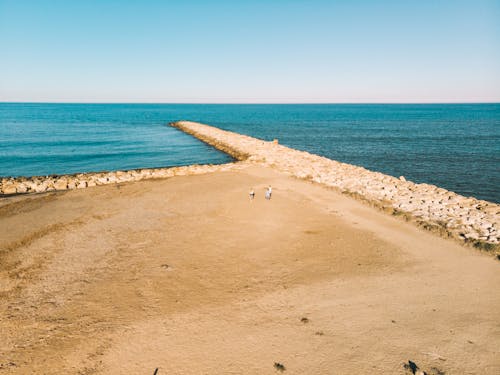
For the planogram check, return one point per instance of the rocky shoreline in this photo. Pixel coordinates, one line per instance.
(466, 219)
(42, 184)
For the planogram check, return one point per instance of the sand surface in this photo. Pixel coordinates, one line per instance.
(189, 276)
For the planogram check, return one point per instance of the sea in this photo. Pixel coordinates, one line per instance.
(454, 146)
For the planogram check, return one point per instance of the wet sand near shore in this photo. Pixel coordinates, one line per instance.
(187, 275)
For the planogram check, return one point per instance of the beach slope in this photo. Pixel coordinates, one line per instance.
(187, 275)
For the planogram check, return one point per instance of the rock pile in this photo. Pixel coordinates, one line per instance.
(41, 184)
(448, 213)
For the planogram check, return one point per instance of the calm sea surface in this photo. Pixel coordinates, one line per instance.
(455, 146)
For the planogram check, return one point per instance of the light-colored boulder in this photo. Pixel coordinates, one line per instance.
(9, 189)
(472, 235)
(31, 185)
(102, 181)
(61, 184)
(21, 188)
(41, 188)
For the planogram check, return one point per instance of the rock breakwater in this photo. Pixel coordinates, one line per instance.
(42, 184)
(452, 215)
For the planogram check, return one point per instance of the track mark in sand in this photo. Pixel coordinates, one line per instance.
(30, 238)
(436, 371)
(19, 265)
(26, 205)
(7, 365)
(101, 216)
(36, 235)
(312, 232)
(434, 356)
(49, 229)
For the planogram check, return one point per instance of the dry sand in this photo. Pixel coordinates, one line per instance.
(189, 276)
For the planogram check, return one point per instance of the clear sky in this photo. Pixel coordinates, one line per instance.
(275, 51)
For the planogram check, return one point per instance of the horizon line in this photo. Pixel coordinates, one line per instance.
(246, 103)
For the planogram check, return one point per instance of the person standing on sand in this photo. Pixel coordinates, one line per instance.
(269, 191)
(252, 194)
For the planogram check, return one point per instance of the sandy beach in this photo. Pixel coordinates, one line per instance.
(249, 188)
(187, 275)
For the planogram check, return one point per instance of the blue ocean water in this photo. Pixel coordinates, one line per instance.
(455, 146)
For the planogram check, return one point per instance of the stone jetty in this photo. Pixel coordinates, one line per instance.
(466, 219)
(451, 215)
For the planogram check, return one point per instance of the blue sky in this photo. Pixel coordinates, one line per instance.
(249, 51)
